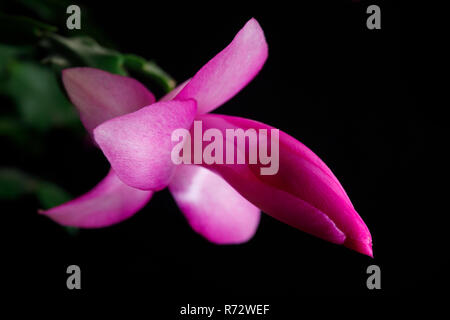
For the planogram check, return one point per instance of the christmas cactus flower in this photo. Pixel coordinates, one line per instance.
(221, 200)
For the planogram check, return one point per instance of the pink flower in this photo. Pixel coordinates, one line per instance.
(220, 201)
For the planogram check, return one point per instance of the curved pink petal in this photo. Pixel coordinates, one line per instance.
(138, 145)
(109, 202)
(172, 94)
(303, 193)
(99, 95)
(230, 70)
(212, 207)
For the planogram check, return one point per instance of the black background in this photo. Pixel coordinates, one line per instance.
(358, 98)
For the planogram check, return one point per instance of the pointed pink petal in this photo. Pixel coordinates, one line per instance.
(212, 207)
(138, 145)
(99, 95)
(303, 193)
(229, 71)
(172, 94)
(109, 202)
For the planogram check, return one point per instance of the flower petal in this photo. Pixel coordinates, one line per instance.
(212, 207)
(138, 145)
(303, 192)
(230, 70)
(109, 202)
(172, 94)
(99, 95)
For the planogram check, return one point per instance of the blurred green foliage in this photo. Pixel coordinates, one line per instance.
(33, 103)
(35, 91)
(26, 30)
(15, 184)
(83, 50)
(47, 10)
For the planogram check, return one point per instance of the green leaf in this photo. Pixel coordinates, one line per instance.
(50, 195)
(151, 70)
(8, 55)
(14, 184)
(86, 51)
(40, 101)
